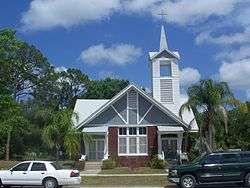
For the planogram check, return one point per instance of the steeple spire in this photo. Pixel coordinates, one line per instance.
(163, 40)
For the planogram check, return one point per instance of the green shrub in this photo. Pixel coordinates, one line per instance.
(157, 163)
(30, 156)
(108, 164)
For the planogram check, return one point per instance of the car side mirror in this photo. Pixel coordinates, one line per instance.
(203, 164)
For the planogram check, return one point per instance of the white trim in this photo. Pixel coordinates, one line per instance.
(118, 113)
(179, 139)
(118, 96)
(158, 53)
(127, 109)
(133, 154)
(137, 136)
(146, 114)
(137, 98)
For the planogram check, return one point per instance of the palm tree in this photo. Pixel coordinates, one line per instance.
(60, 133)
(208, 99)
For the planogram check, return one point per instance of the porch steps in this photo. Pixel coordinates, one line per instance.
(92, 166)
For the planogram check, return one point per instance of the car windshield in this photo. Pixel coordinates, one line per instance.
(56, 166)
(198, 159)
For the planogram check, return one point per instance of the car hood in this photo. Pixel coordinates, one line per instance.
(183, 166)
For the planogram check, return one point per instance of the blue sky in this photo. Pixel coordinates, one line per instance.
(113, 37)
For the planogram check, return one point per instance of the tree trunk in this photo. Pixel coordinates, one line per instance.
(7, 153)
(57, 152)
(210, 137)
(213, 138)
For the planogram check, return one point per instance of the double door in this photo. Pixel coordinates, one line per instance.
(169, 147)
(96, 150)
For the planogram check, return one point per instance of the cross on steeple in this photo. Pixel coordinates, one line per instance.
(163, 39)
(162, 14)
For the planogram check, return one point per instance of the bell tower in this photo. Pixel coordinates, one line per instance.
(165, 75)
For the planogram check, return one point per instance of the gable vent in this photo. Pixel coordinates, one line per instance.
(166, 90)
(132, 99)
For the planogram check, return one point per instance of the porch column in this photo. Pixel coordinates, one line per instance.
(106, 152)
(179, 143)
(159, 145)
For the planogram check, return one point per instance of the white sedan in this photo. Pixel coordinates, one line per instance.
(39, 173)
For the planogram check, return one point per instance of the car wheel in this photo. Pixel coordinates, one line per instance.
(50, 183)
(247, 180)
(188, 181)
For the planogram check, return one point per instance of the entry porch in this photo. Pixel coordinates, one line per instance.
(168, 143)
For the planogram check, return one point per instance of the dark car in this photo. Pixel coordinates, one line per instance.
(214, 168)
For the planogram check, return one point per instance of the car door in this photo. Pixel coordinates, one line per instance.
(17, 175)
(210, 170)
(231, 168)
(37, 173)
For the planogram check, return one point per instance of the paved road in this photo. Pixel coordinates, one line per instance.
(169, 186)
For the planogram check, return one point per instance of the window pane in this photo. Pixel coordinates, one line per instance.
(21, 167)
(142, 130)
(122, 145)
(56, 166)
(213, 159)
(123, 131)
(132, 145)
(165, 70)
(229, 158)
(132, 131)
(143, 145)
(38, 167)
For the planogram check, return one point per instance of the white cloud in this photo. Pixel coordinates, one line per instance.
(187, 12)
(60, 69)
(248, 94)
(189, 76)
(235, 55)
(119, 54)
(136, 6)
(46, 14)
(236, 74)
(224, 39)
(107, 74)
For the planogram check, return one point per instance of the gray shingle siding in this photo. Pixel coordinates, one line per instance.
(156, 116)
(108, 117)
(121, 107)
(144, 105)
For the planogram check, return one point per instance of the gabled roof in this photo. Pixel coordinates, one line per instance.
(120, 94)
(166, 53)
(85, 107)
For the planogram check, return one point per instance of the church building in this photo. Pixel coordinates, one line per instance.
(133, 125)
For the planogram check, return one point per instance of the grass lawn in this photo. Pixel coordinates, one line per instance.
(160, 181)
(124, 170)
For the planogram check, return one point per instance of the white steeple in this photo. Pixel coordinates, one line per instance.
(163, 40)
(165, 75)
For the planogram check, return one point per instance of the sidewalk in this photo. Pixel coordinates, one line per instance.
(121, 175)
(96, 173)
(130, 187)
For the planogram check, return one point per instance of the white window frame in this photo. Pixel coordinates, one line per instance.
(137, 136)
(165, 63)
